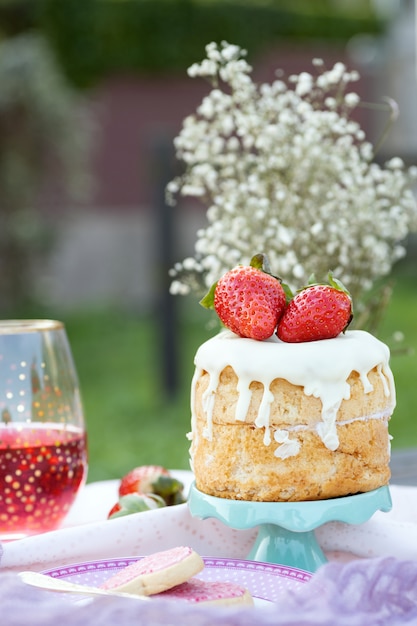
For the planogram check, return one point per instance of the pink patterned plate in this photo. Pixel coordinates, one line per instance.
(265, 581)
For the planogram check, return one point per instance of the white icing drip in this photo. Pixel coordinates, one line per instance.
(194, 435)
(289, 447)
(367, 385)
(243, 402)
(209, 397)
(320, 367)
(327, 431)
(262, 421)
(385, 382)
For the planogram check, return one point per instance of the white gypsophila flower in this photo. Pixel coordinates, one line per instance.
(284, 169)
(352, 99)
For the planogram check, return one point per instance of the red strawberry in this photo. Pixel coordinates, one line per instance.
(135, 503)
(248, 300)
(115, 509)
(316, 312)
(152, 479)
(140, 479)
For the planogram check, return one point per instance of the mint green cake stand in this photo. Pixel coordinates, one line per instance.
(286, 529)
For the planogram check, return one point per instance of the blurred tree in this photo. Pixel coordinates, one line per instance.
(97, 38)
(42, 125)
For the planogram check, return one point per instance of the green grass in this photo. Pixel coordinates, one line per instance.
(132, 421)
(402, 316)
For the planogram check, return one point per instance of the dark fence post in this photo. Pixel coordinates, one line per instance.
(165, 234)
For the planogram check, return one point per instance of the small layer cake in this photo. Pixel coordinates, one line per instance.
(275, 421)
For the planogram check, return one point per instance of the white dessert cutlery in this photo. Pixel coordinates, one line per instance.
(57, 584)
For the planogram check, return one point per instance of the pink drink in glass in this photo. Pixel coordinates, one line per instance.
(43, 459)
(42, 467)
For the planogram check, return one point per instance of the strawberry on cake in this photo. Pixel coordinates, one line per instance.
(301, 414)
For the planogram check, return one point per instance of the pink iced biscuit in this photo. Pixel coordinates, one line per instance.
(157, 572)
(197, 591)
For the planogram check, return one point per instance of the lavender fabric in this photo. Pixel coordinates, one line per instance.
(360, 593)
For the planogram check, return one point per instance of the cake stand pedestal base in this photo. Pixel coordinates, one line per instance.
(286, 529)
(275, 544)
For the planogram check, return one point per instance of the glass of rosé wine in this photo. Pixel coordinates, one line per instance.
(43, 455)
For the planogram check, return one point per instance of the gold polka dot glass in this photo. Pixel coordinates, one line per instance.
(43, 458)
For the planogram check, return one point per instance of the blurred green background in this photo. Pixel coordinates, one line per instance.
(91, 95)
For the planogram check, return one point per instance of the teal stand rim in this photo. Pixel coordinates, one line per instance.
(286, 529)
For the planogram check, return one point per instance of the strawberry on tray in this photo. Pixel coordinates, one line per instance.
(147, 487)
